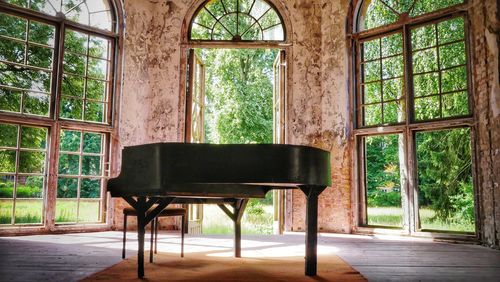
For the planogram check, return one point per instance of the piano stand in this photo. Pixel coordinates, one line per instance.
(239, 208)
(144, 217)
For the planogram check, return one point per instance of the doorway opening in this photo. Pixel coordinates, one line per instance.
(236, 96)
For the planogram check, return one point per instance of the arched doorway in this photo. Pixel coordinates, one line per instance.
(233, 24)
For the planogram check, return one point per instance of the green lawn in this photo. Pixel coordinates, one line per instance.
(215, 221)
(31, 210)
(392, 216)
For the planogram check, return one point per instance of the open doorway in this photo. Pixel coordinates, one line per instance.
(236, 96)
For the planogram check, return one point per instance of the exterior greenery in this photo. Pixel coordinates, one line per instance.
(439, 90)
(27, 80)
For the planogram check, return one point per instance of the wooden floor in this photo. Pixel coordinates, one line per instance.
(71, 257)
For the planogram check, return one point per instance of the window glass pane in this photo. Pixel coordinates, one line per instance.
(40, 56)
(425, 61)
(69, 164)
(451, 30)
(24, 78)
(98, 47)
(371, 50)
(98, 68)
(91, 188)
(394, 112)
(70, 141)
(29, 202)
(10, 100)
(374, 14)
(31, 162)
(372, 93)
(455, 104)
(94, 111)
(12, 26)
(383, 182)
(427, 108)
(392, 45)
(96, 89)
(91, 165)
(92, 143)
(8, 138)
(454, 79)
(76, 42)
(6, 191)
(72, 85)
(36, 104)
(274, 33)
(392, 67)
(452, 55)
(426, 6)
(74, 63)
(67, 203)
(271, 18)
(372, 114)
(7, 161)
(393, 89)
(89, 209)
(371, 71)
(423, 37)
(71, 108)
(33, 137)
(446, 197)
(426, 84)
(41, 33)
(11, 51)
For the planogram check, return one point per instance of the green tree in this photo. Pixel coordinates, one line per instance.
(239, 90)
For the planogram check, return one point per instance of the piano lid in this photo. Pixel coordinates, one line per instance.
(166, 166)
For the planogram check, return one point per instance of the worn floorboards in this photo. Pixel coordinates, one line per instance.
(71, 257)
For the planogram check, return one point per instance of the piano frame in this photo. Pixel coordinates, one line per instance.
(176, 173)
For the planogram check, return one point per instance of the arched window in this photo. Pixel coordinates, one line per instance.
(56, 108)
(413, 117)
(237, 20)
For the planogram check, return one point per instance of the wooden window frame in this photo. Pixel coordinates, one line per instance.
(410, 126)
(55, 124)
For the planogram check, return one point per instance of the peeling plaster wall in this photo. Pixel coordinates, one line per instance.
(485, 36)
(150, 98)
(318, 109)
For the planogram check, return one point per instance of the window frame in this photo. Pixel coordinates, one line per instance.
(410, 126)
(56, 124)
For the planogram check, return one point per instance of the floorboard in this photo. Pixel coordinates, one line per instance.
(71, 257)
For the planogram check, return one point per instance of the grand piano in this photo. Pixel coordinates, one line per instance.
(156, 175)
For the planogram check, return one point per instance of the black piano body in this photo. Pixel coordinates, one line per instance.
(165, 173)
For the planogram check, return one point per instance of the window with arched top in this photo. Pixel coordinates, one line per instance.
(57, 69)
(237, 20)
(413, 116)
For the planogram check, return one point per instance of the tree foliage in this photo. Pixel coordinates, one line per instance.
(239, 91)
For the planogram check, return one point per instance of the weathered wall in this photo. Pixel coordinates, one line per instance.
(149, 109)
(485, 34)
(318, 108)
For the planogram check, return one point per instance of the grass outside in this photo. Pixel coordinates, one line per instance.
(31, 210)
(215, 221)
(393, 216)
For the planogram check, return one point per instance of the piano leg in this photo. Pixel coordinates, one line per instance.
(312, 193)
(239, 208)
(142, 205)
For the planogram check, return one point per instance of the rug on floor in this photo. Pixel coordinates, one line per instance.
(204, 267)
